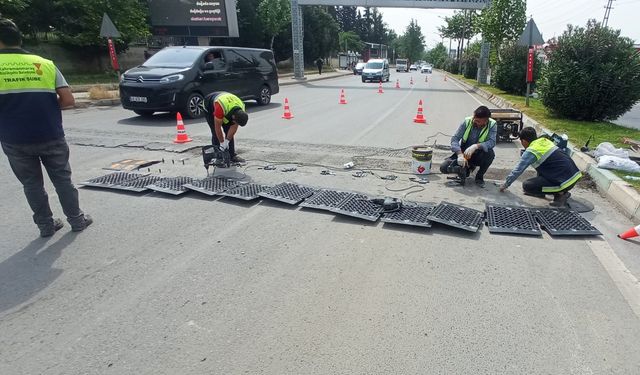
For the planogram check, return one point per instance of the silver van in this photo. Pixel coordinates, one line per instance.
(376, 70)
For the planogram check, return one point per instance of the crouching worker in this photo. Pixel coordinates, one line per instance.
(224, 113)
(473, 145)
(557, 173)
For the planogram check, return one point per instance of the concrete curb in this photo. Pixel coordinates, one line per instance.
(611, 186)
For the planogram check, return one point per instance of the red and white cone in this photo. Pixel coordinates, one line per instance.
(633, 232)
(420, 117)
(181, 136)
(411, 81)
(380, 88)
(287, 112)
(397, 83)
(343, 100)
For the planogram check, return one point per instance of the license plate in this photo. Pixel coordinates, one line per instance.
(139, 99)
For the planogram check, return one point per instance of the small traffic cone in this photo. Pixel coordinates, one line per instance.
(182, 136)
(411, 81)
(420, 117)
(426, 79)
(397, 83)
(633, 232)
(445, 78)
(287, 112)
(343, 100)
(380, 88)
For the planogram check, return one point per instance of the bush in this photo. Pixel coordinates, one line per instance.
(593, 74)
(452, 66)
(511, 72)
(470, 68)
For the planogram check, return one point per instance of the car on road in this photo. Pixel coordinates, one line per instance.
(413, 67)
(402, 65)
(177, 79)
(426, 69)
(376, 70)
(358, 68)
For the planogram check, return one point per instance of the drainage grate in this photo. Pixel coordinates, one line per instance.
(111, 179)
(326, 199)
(139, 184)
(245, 192)
(171, 185)
(413, 214)
(457, 216)
(212, 185)
(565, 223)
(359, 206)
(510, 219)
(288, 193)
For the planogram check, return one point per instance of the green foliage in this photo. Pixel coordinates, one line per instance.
(412, 43)
(593, 74)
(470, 60)
(511, 72)
(503, 22)
(350, 41)
(437, 56)
(347, 18)
(275, 15)
(320, 30)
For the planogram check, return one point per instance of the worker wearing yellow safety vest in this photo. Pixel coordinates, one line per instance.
(32, 92)
(473, 144)
(557, 173)
(224, 113)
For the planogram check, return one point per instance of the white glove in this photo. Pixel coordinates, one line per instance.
(461, 160)
(224, 145)
(470, 150)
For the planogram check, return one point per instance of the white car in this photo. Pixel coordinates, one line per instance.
(426, 69)
(413, 67)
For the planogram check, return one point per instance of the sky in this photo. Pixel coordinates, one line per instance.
(551, 16)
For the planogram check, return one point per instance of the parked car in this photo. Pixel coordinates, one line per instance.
(376, 70)
(426, 69)
(358, 68)
(176, 79)
(413, 67)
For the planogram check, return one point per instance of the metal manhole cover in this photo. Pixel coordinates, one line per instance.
(359, 206)
(565, 223)
(111, 179)
(139, 184)
(414, 214)
(171, 185)
(245, 192)
(212, 185)
(288, 193)
(457, 216)
(326, 199)
(510, 219)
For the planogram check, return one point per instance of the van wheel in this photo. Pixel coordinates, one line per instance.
(142, 113)
(264, 97)
(194, 107)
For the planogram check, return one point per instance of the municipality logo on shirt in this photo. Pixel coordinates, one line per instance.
(38, 70)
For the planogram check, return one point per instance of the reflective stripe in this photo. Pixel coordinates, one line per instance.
(20, 91)
(483, 134)
(564, 185)
(541, 148)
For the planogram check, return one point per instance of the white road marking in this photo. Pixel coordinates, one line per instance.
(468, 93)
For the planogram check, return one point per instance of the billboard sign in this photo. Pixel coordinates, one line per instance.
(215, 18)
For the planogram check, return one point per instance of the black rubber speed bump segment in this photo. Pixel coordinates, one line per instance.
(564, 223)
(111, 179)
(359, 206)
(457, 216)
(246, 192)
(211, 185)
(288, 192)
(139, 184)
(326, 199)
(413, 214)
(171, 185)
(511, 219)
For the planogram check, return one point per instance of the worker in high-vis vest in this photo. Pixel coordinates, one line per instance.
(32, 92)
(473, 144)
(557, 173)
(224, 113)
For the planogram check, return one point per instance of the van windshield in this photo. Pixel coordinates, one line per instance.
(374, 65)
(173, 58)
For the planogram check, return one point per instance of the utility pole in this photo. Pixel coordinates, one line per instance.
(607, 12)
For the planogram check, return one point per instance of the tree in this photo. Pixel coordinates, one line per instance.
(276, 16)
(437, 56)
(412, 45)
(593, 74)
(350, 41)
(347, 18)
(502, 22)
(470, 60)
(320, 30)
(511, 72)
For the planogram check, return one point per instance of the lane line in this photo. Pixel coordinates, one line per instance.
(468, 93)
(626, 283)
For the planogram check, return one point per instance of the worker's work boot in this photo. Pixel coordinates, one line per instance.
(560, 199)
(83, 224)
(237, 159)
(48, 230)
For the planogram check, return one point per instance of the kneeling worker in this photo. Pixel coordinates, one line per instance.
(473, 144)
(225, 112)
(557, 173)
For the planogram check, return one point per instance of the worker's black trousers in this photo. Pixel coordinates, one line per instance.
(232, 143)
(480, 159)
(533, 186)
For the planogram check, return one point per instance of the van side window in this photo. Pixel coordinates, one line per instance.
(264, 61)
(216, 58)
(239, 59)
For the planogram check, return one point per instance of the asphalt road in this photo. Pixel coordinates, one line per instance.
(630, 119)
(195, 285)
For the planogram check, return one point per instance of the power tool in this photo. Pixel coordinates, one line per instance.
(388, 204)
(215, 156)
(461, 173)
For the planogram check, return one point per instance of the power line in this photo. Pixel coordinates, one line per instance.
(607, 12)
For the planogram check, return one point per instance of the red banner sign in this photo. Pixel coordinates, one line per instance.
(112, 54)
(530, 66)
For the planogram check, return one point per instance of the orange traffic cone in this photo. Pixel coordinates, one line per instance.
(426, 79)
(343, 100)
(287, 112)
(419, 117)
(411, 82)
(380, 88)
(445, 78)
(397, 83)
(182, 136)
(633, 232)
